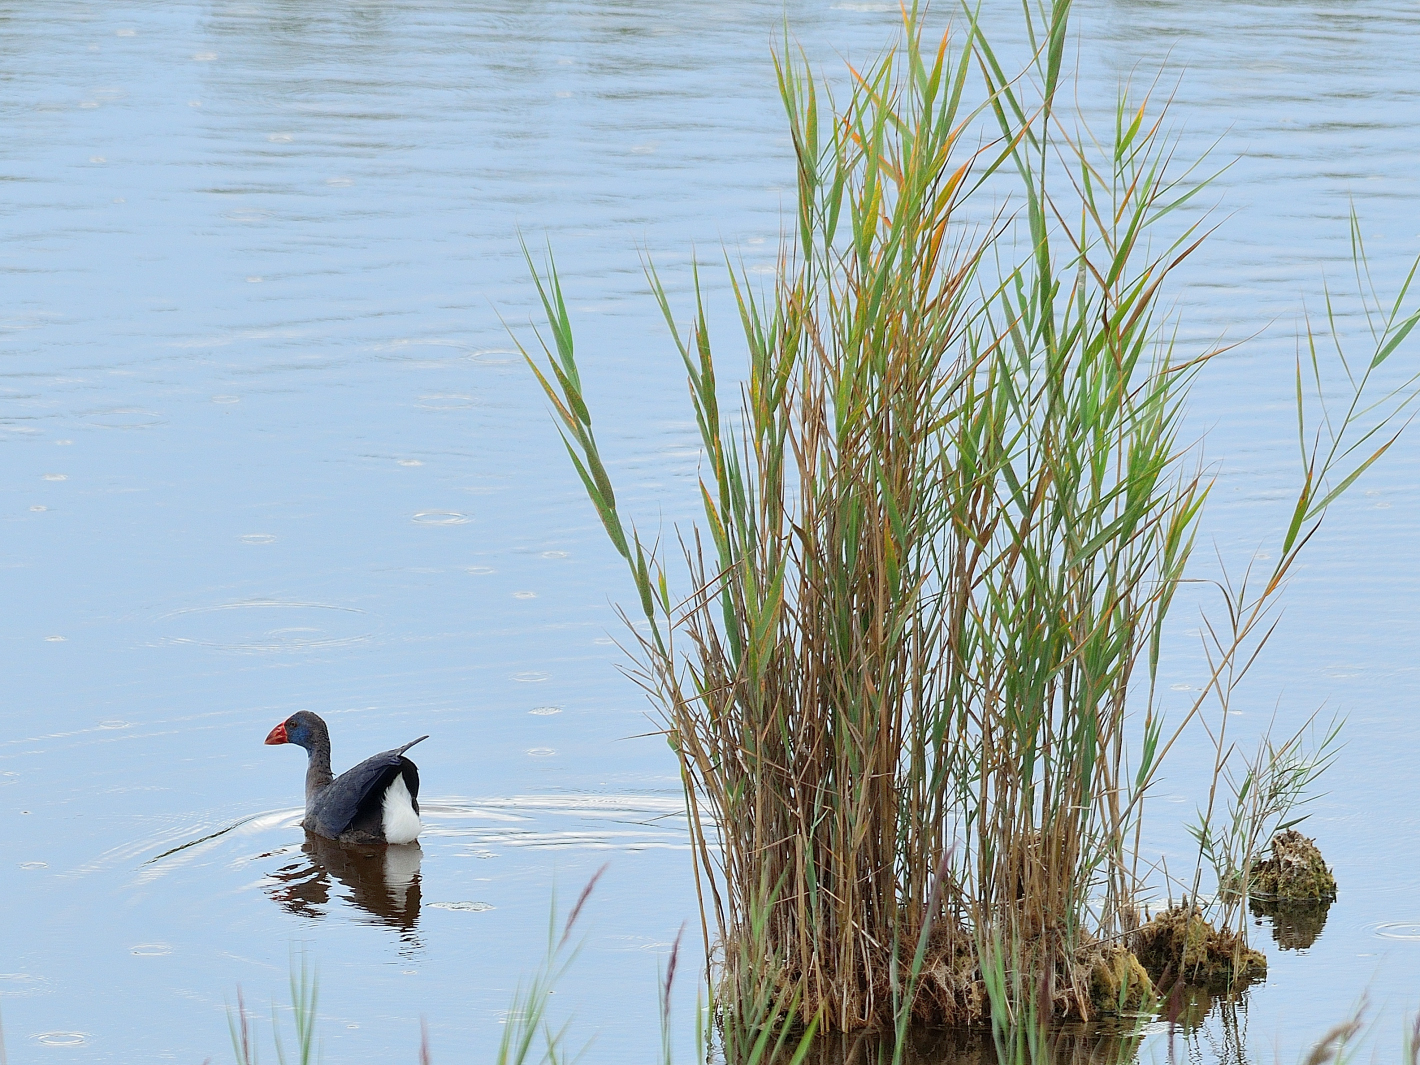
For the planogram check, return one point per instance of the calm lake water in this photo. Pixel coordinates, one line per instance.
(266, 448)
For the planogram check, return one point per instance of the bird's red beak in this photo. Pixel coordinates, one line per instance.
(278, 734)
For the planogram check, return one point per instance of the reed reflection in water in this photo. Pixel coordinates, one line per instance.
(1191, 1026)
(383, 882)
(1097, 1043)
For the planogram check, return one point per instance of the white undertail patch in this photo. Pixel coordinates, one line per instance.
(401, 823)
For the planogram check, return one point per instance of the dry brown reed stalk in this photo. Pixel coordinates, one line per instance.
(942, 532)
(243, 1045)
(1333, 1046)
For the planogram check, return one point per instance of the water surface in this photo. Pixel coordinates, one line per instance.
(267, 448)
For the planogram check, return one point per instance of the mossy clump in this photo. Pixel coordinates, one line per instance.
(1179, 945)
(1295, 871)
(1119, 983)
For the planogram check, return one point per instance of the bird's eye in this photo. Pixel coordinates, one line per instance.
(293, 723)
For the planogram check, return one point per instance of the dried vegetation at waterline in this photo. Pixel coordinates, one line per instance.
(910, 679)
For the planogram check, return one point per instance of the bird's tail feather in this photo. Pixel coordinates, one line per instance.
(411, 743)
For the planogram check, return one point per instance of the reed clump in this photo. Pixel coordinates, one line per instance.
(943, 527)
(939, 535)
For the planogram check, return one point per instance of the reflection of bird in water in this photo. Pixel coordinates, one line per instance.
(381, 881)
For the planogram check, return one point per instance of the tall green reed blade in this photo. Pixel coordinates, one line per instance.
(527, 1026)
(581, 444)
(304, 992)
(1096, 523)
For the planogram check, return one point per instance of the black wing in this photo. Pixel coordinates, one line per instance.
(355, 799)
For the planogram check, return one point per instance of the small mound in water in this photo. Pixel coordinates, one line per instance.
(1180, 946)
(1295, 871)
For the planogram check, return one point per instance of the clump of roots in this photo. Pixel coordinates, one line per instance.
(1096, 979)
(1295, 871)
(947, 988)
(1180, 946)
(950, 991)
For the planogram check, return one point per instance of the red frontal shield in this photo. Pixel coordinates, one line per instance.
(278, 734)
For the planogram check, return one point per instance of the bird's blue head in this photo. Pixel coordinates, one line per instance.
(302, 728)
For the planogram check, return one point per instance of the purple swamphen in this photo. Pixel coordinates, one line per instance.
(376, 802)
